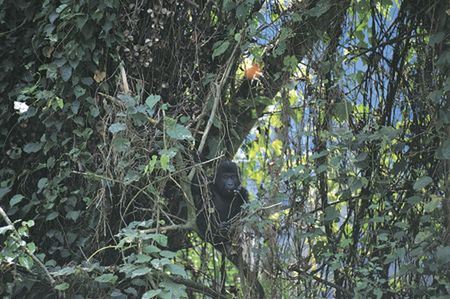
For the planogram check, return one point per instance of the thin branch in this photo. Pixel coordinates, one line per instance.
(16, 236)
(186, 226)
(326, 282)
(126, 88)
(200, 288)
(216, 92)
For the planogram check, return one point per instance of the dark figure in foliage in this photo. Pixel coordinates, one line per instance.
(217, 211)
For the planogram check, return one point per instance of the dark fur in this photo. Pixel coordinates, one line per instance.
(217, 213)
(217, 210)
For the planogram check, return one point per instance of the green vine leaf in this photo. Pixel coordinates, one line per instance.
(117, 127)
(106, 278)
(422, 183)
(220, 48)
(32, 147)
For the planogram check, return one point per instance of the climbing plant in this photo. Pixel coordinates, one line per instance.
(337, 112)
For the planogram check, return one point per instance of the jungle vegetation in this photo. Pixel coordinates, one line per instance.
(108, 108)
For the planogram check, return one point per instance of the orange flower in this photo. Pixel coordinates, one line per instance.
(253, 72)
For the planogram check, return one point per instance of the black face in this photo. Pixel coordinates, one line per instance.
(227, 178)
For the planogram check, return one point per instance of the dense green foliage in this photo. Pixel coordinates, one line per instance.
(345, 139)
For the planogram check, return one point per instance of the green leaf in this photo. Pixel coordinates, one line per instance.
(42, 183)
(243, 10)
(361, 157)
(16, 199)
(4, 191)
(165, 159)
(60, 8)
(321, 7)
(436, 38)
(142, 258)
(52, 216)
(140, 272)
(106, 278)
(81, 21)
(151, 165)
(168, 254)
(26, 261)
(130, 101)
(117, 127)
(177, 270)
(415, 199)
(56, 103)
(433, 204)
(321, 168)
(150, 249)
(31, 247)
(151, 294)
(422, 236)
(389, 132)
(330, 214)
(220, 49)
(152, 100)
(66, 72)
(160, 263)
(32, 147)
(62, 286)
(94, 111)
(176, 290)
(422, 183)
(78, 92)
(443, 254)
(290, 62)
(121, 144)
(319, 155)
(131, 176)
(64, 271)
(342, 110)
(29, 223)
(179, 132)
(443, 152)
(73, 215)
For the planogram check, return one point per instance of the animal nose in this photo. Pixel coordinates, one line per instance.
(230, 185)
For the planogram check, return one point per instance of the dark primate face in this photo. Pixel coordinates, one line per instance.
(227, 177)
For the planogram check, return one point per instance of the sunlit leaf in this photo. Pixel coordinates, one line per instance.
(62, 286)
(177, 131)
(117, 127)
(111, 278)
(177, 270)
(152, 100)
(16, 199)
(140, 272)
(151, 294)
(26, 261)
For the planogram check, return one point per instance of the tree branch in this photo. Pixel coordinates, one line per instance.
(16, 236)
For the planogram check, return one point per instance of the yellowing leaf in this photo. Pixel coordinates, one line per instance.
(99, 76)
